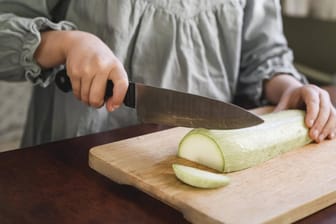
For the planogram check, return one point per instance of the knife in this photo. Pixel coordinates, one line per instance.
(169, 107)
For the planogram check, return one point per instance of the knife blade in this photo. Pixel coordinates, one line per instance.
(170, 107)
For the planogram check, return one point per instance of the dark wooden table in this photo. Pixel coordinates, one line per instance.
(52, 183)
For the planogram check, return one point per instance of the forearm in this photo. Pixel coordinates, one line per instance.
(20, 38)
(54, 47)
(276, 86)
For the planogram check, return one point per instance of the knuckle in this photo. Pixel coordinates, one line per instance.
(96, 103)
(86, 70)
(101, 62)
(74, 69)
(312, 87)
(75, 72)
(324, 93)
(307, 87)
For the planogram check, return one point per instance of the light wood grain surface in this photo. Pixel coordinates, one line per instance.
(281, 190)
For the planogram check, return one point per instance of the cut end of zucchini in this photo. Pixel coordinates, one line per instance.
(201, 149)
(199, 178)
(238, 149)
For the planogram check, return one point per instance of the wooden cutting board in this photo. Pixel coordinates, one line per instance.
(281, 190)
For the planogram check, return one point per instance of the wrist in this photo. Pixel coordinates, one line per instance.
(50, 52)
(278, 84)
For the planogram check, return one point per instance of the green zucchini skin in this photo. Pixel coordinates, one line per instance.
(243, 148)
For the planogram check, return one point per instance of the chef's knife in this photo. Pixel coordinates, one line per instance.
(164, 106)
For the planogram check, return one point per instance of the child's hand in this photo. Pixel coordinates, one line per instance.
(89, 62)
(321, 114)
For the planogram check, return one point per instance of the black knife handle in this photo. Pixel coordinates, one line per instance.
(63, 82)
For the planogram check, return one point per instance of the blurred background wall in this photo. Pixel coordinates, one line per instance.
(310, 28)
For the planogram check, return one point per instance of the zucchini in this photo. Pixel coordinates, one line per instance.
(238, 149)
(199, 178)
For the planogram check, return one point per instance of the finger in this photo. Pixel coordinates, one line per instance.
(86, 82)
(330, 128)
(312, 100)
(332, 135)
(97, 90)
(283, 103)
(75, 80)
(332, 120)
(119, 78)
(322, 118)
(323, 131)
(76, 85)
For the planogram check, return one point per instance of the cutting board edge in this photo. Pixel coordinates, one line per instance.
(199, 217)
(186, 210)
(305, 210)
(101, 166)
